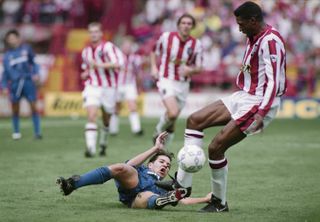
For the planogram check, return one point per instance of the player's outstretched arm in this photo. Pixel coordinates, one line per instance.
(196, 200)
(159, 145)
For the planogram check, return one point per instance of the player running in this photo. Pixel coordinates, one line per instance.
(102, 61)
(180, 58)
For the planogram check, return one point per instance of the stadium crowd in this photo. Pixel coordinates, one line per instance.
(297, 20)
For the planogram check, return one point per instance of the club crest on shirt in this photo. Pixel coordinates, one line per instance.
(246, 68)
(189, 51)
(273, 58)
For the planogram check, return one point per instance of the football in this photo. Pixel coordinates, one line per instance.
(191, 158)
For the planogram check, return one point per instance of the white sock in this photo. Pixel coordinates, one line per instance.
(91, 136)
(184, 178)
(135, 122)
(193, 137)
(104, 131)
(163, 123)
(219, 169)
(114, 124)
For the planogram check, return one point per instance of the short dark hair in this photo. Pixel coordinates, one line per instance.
(161, 153)
(249, 10)
(187, 15)
(11, 32)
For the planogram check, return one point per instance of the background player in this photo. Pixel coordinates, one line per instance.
(261, 81)
(180, 58)
(102, 61)
(135, 181)
(21, 77)
(127, 89)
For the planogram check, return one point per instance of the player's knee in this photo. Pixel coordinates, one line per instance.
(173, 114)
(118, 169)
(216, 148)
(193, 122)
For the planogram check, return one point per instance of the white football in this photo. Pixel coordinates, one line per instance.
(191, 158)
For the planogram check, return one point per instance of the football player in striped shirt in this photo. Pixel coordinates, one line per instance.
(102, 61)
(261, 82)
(180, 58)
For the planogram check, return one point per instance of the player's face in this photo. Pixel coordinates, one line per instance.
(161, 166)
(95, 34)
(185, 26)
(13, 41)
(126, 47)
(246, 26)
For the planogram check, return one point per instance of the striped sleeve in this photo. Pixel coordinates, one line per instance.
(159, 44)
(110, 51)
(84, 64)
(199, 54)
(272, 60)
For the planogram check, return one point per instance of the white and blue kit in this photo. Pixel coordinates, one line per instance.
(19, 67)
(147, 179)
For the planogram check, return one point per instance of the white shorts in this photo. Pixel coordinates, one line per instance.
(99, 96)
(243, 106)
(179, 89)
(127, 92)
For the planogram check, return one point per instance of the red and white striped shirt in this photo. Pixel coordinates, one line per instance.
(105, 52)
(131, 69)
(175, 53)
(263, 71)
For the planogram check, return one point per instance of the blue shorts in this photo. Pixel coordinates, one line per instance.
(147, 181)
(23, 88)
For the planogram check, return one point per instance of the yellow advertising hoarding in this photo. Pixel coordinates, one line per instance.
(70, 104)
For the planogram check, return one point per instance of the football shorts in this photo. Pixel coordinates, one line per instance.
(179, 89)
(243, 106)
(99, 96)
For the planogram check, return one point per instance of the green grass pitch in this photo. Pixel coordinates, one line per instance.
(273, 176)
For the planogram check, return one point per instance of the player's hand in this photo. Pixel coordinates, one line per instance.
(154, 72)
(258, 120)
(186, 71)
(36, 79)
(84, 75)
(208, 197)
(161, 139)
(4, 91)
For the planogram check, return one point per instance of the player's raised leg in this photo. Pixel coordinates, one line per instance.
(214, 114)
(167, 120)
(126, 175)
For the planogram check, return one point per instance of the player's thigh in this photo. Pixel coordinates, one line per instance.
(214, 114)
(92, 112)
(141, 200)
(126, 175)
(172, 106)
(109, 99)
(29, 91)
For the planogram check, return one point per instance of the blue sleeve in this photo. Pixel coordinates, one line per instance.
(35, 67)
(5, 74)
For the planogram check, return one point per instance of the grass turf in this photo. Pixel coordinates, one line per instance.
(273, 176)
